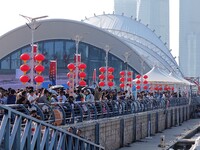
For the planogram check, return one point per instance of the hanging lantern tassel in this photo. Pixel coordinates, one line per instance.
(24, 68)
(39, 79)
(39, 68)
(110, 77)
(82, 75)
(101, 84)
(25, 57)
(71, 67)
(39, 58)
(82, 66)
(24, 79)
(102, 70)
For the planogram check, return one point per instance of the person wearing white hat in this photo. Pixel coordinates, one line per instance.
(89, 96)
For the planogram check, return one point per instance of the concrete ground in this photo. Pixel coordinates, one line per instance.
(171, 136)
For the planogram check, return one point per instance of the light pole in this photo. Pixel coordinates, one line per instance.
(107, 49)
(77, 40)
(32, 24)
(126, 55)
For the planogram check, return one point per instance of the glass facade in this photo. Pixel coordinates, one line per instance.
(63, 51)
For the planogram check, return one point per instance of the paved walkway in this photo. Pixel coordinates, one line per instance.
(171, 135)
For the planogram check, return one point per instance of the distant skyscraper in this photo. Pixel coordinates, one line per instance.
(189, 38)
(155, 13)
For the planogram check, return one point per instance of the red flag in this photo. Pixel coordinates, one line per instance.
(94, 76)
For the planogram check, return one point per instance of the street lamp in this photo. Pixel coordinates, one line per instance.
(107, 49)
(32, 24)
(126, 55)
(77, 40)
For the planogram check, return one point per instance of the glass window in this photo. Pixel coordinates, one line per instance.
(70, 50)
(26, 49)
(96, 53)
(48, 51)
(5, 63)
(15, 60)
(83, 50)
(59, 46)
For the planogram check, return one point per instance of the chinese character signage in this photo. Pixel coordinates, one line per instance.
(53, 71)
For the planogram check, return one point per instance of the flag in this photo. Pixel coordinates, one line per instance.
(94, 76)
(53, 71)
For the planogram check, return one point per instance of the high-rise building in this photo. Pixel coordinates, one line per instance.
(155, 13)
(189, 38)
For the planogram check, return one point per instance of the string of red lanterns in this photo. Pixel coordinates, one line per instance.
(109, 78)
(126, 79)
(82, 75)
(38, 58)
(141, 82)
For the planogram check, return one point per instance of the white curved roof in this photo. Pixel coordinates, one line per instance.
(139, 37)
(51, 29)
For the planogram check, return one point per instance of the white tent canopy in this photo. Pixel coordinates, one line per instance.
(155, 76)
(184, 81)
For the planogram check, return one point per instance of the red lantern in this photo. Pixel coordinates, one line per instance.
(71, 66)
(82, 83)
(102, 69)
(39, 68)
(165, 88)
(39, 58)
(110, 77)
(101, 83)
(82, 66)
(145, 82)
(137, 87)
(129, 79)
(122, 85)
(70, 75)
(145, 76)
(145, 87)
(138, 82)
(24, 68)
(129, 73)
(24, 57)
(122, 73)
(82, 75)
(68, 83)
(160, 88)
(156, 88)
(39, 79)
(138, 76)
(111, 69)
(172, 88)
(24, 79)
(101, 77)
(122, 79)
(110, 83)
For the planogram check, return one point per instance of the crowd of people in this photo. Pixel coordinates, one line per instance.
(29, 95)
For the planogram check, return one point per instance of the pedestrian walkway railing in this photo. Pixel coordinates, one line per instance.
(70, 113)
(19, 131)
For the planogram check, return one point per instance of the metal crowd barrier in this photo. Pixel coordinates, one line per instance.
(21, 131)
(66, 113)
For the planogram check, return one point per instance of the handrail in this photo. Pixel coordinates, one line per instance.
(70, 113)
(21, 131)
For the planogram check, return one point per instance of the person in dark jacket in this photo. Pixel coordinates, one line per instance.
(11, 97)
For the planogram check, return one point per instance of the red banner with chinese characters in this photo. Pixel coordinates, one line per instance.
(53, 71)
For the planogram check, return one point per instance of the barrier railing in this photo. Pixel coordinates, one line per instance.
(20, 131)
(69, 113)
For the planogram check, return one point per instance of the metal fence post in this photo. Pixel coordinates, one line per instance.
(97, 134)
(121, 132)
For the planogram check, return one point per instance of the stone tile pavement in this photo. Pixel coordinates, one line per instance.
(171, 136)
